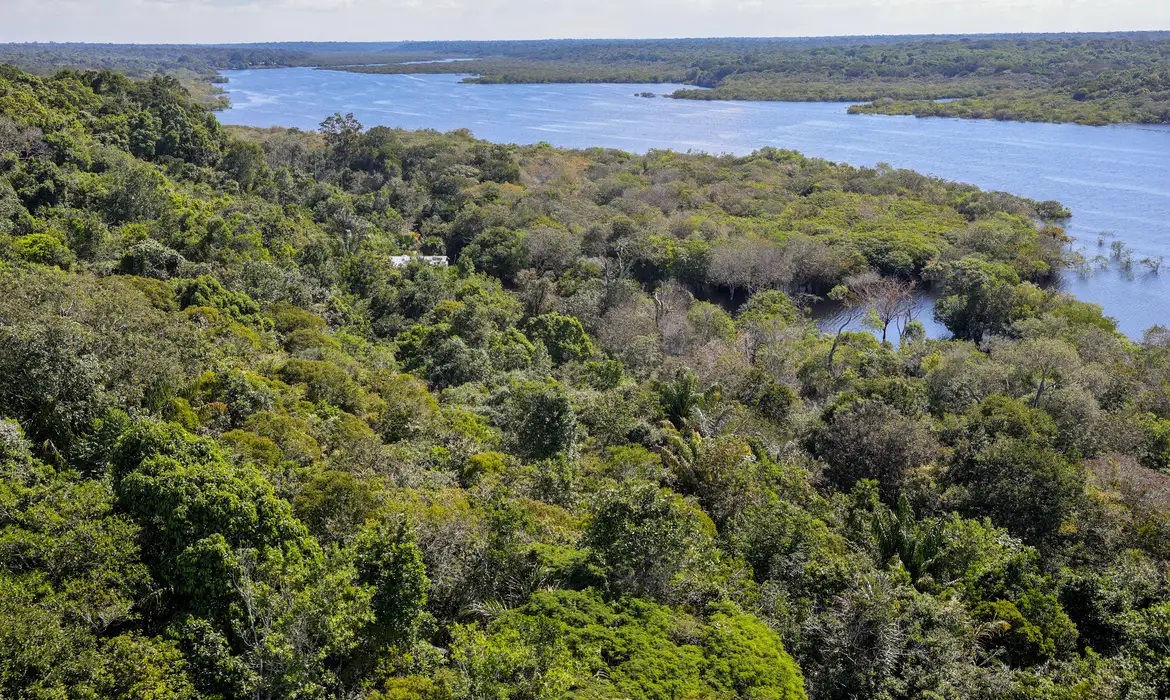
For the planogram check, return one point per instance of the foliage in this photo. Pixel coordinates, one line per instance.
(1083, 78)
(572, 644)
(246, 453)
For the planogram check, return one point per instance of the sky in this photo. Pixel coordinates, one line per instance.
(228, 21)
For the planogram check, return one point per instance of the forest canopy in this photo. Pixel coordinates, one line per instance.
(248, 451)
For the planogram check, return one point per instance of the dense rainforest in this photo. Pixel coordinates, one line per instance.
(1082, 78)
(252, 446)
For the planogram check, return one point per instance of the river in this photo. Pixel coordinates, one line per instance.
(1115, 179)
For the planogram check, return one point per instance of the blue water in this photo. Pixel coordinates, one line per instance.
(1115, 179)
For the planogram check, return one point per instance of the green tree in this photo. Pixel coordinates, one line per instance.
(389, 560)
(871, 440)
(539, 420)
(1032, 491)
(499, 252)
(652, 543)
(571, 643)
(335, 505)
(564, 336)
(980, 298)
(234, 558)
(746, 656)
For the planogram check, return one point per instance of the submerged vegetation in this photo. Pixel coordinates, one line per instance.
(245, 453)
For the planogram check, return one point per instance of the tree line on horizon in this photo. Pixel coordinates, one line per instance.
(1096, 79)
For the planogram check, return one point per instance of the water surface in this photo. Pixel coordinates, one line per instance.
(1115, 179)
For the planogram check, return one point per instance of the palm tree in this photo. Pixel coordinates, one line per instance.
(681, 397)
(690, 410)
(898, 534)
(681, 454)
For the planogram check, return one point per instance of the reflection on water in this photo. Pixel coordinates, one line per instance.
(1113, 178)
(437, 60)
(829, 317)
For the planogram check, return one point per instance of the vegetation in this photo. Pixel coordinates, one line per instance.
(1083, 78)
(604, 453)
(197, 67)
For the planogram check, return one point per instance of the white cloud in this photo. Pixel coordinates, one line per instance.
(309, 5)
(223, 21)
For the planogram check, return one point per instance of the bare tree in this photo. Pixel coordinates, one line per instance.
(672, 301)
(552, 249)
(538, 292)
(616, 265)
(889, 301)
(1037, 364)
(853, 301)
(852, 309)
(750, 266)
(25, 141)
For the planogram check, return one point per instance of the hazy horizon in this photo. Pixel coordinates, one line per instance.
(271, 21)
(713, 37)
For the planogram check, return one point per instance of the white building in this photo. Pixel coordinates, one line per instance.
(404, 260)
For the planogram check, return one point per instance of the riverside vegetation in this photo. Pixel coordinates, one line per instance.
(603, 454)
(1081, 78)
(196, 67)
